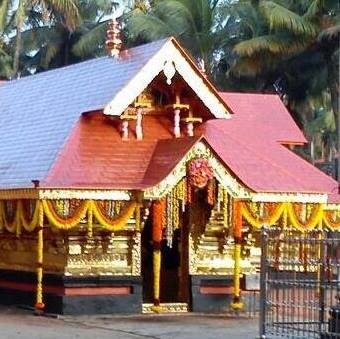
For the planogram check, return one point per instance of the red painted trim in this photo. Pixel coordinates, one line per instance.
(73, 291)
(216, 290)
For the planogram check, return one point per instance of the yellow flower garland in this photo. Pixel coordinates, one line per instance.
(259, 222)
(116, 224)
(13, 226)
(333, 225)
(311, 223)
(318, 217)
(30, 226)
(67, 223)
(157, 257)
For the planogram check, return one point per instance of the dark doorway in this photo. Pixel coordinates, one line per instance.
(174, 268)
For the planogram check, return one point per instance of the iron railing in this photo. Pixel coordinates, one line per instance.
(300, 285)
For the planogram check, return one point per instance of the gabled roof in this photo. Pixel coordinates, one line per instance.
(263, 116)
(263, 164)
(96, 156)
(37, 113)
(46, 136)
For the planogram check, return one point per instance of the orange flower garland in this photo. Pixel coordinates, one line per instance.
(65, 223)
(237, 213)
(158, 218)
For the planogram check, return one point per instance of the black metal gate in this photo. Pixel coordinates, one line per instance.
(300, 284)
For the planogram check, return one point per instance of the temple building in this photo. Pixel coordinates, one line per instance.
(129, 184)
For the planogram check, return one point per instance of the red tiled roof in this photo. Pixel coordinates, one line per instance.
(262, 164)
(96, 156)
(263, 115)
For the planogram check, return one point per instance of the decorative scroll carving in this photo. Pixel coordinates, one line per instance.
(136, 255)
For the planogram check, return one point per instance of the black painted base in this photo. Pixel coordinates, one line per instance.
(210, 302)
(214, 294)
(109, 294)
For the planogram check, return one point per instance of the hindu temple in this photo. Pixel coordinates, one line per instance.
(130, 184)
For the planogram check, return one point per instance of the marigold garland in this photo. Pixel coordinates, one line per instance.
(312, 222)
(327, 219)
(158, 212)
(258, 222)
(65, 223)
(237, 216)
(115, 224)
(157, 257)
(30, 226)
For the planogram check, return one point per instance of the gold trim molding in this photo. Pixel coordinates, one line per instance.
(56, 194)
(290, 197)
(166, 308)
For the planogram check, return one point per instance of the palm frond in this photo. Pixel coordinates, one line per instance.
(4, 8)
(69, 8)
(280, 18)
(330, 34)
(313, 10)
(89, 43)
(275, 44)
(247, 66)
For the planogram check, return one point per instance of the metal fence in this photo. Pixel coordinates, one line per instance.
(300, 284)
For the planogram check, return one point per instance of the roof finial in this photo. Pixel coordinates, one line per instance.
(113, 41)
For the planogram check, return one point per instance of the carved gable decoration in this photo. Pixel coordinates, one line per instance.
(169, 60)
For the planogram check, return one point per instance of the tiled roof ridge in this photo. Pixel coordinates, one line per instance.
(78, 64)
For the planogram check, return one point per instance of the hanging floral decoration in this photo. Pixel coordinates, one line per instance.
(267, 218)
(237, 222)
(332, 219)
(116, 223)
(306, 224)
(200, 172)
(211, 192)
(158, 219)
(67, 221)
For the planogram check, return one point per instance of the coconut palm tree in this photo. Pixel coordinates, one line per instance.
(196, 23)
(56, 45)
(17, 13)
(290, 45)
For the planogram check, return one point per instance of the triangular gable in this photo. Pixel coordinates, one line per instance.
(169, 59)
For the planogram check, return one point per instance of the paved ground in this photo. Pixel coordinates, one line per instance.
(20, 324)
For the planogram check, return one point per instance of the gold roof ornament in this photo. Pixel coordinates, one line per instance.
(113, 41)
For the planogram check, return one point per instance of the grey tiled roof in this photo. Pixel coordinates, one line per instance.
(38, 112)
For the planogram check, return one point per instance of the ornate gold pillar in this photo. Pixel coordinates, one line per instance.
(39, 305)
(237, 224)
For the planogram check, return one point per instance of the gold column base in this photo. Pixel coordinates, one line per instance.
(166, 308)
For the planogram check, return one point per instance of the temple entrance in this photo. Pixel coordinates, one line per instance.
(174, 273)
(174, 279)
